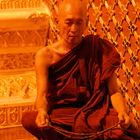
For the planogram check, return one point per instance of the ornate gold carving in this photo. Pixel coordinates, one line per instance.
(18, 85)
(10, 115)
(40, 19)
(13, 115)
(24, 38)
(23, 30)
(12, 4)
(3, 115)
(17, 61)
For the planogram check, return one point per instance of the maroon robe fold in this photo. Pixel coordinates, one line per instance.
(78, 97)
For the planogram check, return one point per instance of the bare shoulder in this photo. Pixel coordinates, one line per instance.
(49, 55)
(44, 56)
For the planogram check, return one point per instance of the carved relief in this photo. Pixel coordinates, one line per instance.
(23, 86)
(25, 38)
(11, 116)
(17, 61)
(3, 115)
(16, 4)
(23, 31)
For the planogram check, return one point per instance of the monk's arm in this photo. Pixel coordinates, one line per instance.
(118, 102)
(41, 80)
(117, 99)
(42, 89)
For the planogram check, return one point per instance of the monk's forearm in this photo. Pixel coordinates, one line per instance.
(41, 103)
(118, 102)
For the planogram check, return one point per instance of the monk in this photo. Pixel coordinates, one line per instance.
(77, 92)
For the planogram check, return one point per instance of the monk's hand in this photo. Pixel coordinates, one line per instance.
(42, 119)
(124, 120)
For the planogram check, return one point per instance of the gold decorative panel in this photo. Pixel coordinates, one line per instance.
(119, 22)
(17, 85)
(23, 30)
(18, 4)
(11, 115)
(17, 61)
(23, 38)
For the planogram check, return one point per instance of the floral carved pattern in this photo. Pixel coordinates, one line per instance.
(24, 38)
(11, 116)
(16, 61)
(23, 86)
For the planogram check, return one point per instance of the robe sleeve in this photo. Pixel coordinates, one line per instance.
(111, 59)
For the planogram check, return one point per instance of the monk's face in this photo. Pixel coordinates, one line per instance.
(72, 22)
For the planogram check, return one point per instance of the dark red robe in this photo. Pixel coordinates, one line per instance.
(78, 97)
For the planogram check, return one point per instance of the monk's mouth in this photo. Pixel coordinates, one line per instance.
(73, 36)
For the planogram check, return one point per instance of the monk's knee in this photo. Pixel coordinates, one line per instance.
(28, 122)
(28, 119)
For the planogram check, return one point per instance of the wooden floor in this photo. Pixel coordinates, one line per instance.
(15, 133)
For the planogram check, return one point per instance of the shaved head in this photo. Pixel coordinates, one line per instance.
(67, 5)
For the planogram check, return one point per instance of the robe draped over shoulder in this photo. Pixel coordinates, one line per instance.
(78, 97)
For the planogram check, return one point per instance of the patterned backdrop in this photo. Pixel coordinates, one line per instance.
(119, 22)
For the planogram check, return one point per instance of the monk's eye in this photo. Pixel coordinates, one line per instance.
(78, 22)
(68, 23)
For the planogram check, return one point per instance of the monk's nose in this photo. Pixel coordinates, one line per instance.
(74, 28)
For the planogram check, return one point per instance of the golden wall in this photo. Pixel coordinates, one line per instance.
(23, 30)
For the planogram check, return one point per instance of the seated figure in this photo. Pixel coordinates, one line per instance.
(77, 92)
